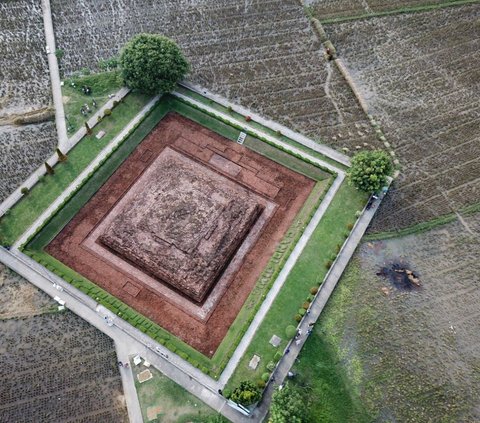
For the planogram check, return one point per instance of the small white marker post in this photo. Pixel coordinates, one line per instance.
(241, 137)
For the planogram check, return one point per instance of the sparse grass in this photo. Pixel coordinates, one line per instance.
(308, 271)
(28, 209)
(102, 84)
(177, 405)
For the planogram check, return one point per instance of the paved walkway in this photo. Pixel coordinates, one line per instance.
(80, 178)
(277, 286)
(130, 341)
(129, 391)
(295, 136)
(54, 75)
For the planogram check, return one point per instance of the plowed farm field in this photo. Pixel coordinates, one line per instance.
(25, 87)
(261, 54)
(420, 75)
(54, 367)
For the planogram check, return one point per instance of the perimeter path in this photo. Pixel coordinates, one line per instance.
(295, 136)
(128, 340)
(54, 75)
(278, 284)
(80, 178)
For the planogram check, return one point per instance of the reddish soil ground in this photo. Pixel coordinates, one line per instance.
(267, 179)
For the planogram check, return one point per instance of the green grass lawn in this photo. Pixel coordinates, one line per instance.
(309, 271)
(28, 209)
(175, 404)
(329, 389)
(102, 84)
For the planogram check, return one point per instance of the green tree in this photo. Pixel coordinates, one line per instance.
(152, 63)
(247, 393)
(369, 170)
(287, 406)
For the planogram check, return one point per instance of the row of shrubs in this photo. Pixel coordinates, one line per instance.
(87, 178)
(291, 330)
(116, 306)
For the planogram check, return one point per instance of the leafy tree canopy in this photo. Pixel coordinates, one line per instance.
(152, 63)
(369, 170)
(287, 406)
(247, 393)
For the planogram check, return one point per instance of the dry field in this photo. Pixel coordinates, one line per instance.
(261, 54)
(410, 355)
(329, 9)
(53, 367)
(420, 75)
(25, 87)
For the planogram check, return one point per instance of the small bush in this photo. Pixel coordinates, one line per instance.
(265, 377)
(24, 190)
(350, 226)
(261, 384)
(313, 290)
(107, 112)
(328, 264)
(248, 118)
(271, 365)
(290, 331)
(309, 298)
(277, 356)
(230, 109)
(298, 317)
(306, 305)
(302, 311)
(183, 355)
(338, 248)
(227, 393)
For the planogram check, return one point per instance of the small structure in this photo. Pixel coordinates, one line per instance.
(241, 137)
(254, 362)
(137, 360)
(275, 341)
(100, 135)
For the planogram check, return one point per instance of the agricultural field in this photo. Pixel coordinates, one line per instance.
(25, 88)
(329, 10)
(53, 366)
(420, 75)
(263, 55)
(396, 352)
